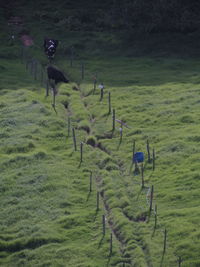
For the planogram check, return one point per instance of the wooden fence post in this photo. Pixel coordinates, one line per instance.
(97, 201)
(154, 158)
(111, 243)
(151, 200)
(113, 120)
(142, 174)
(109, 103)
(90, 181)
(74, 139)
(95, 83)
(121, 134)
(35, 69)
(148, 152)
(81, 150)
(47, 88)
(68, 126)
(104, 224)
(165, 242)
(155, 224)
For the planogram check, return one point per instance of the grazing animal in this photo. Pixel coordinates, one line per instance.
(55, 76)
(50, 46)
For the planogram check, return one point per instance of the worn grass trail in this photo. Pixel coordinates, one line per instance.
(48, 214)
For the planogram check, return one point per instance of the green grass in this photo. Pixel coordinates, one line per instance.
(48, 216)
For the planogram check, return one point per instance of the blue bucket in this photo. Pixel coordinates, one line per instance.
(138, 157)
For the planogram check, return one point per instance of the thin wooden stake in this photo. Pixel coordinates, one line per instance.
(109, 103)
(148, 152)
(68, 126)
(41, 76)
(165, 242)
(23, 54)
(90, 181)
(97, 201)
(81, 150)
(95, 83)
(111, 243)
(151, 200)
(27, 65)
(133, 149)
(74, 139)
(32, 67)
(154, 158)
(47, 88)
(121, 133)
(155, 224)
(35, 69)
(104, 224)
(142, 174)
(113, 123)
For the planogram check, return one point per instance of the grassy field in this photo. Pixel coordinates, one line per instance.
(49, 194)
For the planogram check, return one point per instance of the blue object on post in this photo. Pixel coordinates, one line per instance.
(138, 157)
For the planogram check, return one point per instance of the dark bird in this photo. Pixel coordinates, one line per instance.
(50, 46)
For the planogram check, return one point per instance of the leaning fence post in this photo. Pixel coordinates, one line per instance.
(155, 223)
(104, 224)
(148, 152)
(113, 123)
(154, 158)
(95, 83)
(32, 67)
(74, 139)
(47, 88)
(165, 241)
(68, 126)
(90, 181)
(121, 133)
(97, 201)
(81, 150)
(35, 69)
(109, 103)
(151, 200)
(111, 243)
(142, 174)
(23, 54)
